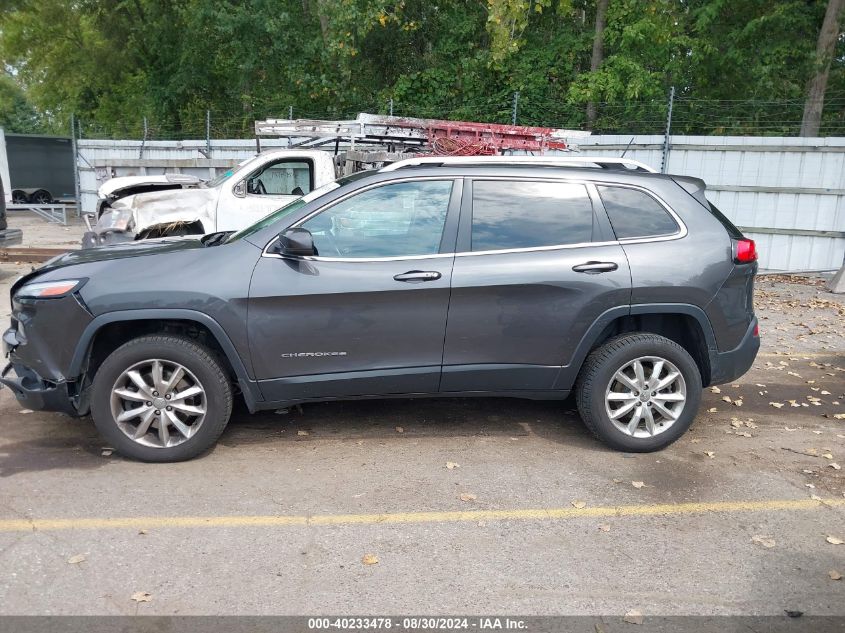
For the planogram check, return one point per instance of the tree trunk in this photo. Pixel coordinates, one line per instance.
(817, 86)
(598, 54)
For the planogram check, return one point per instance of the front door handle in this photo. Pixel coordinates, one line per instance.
(417, 276)
(594, 268)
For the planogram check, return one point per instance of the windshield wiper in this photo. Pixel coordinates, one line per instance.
(215, 239)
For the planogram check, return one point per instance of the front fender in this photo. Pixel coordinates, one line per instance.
(248, 386)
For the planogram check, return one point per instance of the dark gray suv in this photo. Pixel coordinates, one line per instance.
(520, 277)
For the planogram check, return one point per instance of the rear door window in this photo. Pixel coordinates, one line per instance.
(634, 213)
(510, 214)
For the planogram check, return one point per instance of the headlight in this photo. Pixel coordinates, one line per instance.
(49, 289)
(116, 220)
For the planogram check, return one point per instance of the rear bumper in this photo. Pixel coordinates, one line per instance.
(728, 366)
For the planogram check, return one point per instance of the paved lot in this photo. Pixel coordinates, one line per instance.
(277, 519)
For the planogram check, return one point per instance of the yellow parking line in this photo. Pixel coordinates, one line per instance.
(539, 514)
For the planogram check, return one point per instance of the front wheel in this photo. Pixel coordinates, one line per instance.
(639, 392)
(161, 399)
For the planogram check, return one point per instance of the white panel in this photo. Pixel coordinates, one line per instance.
(752, 166)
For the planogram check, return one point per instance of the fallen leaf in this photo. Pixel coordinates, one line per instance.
(637, 484)
(710, 454)
(712, 410)
(765, 541)
(399, 429)
(579, 504)
(617, 481)
(106, 453)
(834, 575)
(824, 393)
(604, 527)
(727, 399)
(467, 496)
(839, 416)
(142, 532)
(738, 402)
(835, 466)
(815, 497)
(302, 432)
(834, 541)
(451, 465)
(715, 390)
(633, 617)
(73, 560)
(25, 411)
(776, 405)
(370, 559)
(141, 596)
(827, 455)
(743, 433)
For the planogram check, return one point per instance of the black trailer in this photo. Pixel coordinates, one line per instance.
(40, 168)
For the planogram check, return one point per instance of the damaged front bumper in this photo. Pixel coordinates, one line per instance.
(34, 392)
(111, 229)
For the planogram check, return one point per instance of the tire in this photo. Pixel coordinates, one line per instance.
(202, 415)
(657, 428)
(42, 196)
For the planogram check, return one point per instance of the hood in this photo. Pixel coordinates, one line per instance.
(174, 205)
(116, 185)
(116, 251)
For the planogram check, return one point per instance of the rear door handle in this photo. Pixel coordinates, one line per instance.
(418, 276)
(594, 268)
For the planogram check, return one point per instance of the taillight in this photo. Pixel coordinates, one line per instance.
(756, 333)
(745, 251)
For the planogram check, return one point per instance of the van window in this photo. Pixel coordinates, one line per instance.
(510, 214)
(634, 213)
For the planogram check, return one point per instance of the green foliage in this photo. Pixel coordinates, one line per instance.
(16, 113)
(739, 66)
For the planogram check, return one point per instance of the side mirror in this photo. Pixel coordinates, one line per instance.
(240, 189)
(298, 242)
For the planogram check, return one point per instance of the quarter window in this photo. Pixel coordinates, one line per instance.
(634, 213)
(520, 214)
(398, 220)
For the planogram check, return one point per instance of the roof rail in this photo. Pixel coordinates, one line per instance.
(551, 161)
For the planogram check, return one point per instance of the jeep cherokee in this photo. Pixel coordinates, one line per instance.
(523, 277)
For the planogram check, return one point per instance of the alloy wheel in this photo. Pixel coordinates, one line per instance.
(158, 403)
(645, 396)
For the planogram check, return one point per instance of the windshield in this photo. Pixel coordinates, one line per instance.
(289, 208)
(219, 179)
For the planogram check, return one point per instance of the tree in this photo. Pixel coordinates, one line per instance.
(817, 86)
(598, 55)
(16, 113)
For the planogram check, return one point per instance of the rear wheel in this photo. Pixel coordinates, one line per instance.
(161, 399)
(639, 392)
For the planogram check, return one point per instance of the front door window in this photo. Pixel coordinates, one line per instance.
(399, 220)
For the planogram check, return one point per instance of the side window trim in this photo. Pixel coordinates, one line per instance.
(287, 159)
(600, 236)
